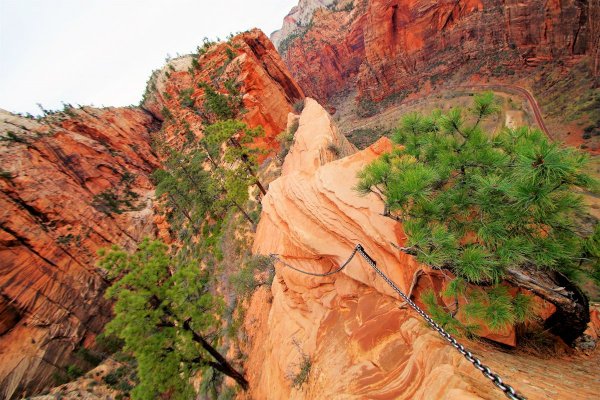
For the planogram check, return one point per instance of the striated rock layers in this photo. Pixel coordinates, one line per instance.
(358, 339)
(390, 47)
(70, 185)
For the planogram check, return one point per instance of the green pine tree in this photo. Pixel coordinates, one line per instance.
(237, 137)
(490, 207)
(167, 318)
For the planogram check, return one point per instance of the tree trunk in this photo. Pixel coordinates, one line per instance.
(221, 364)
(249, 167)
(243, 212)
(572, 307)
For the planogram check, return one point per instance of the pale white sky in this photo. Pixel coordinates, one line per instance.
(101, 52)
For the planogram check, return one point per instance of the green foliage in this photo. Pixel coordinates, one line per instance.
(12, 137)
(196, 64)
(245, 281)
(166, 113)
(206, 45)
(298, 106)
(495, 307)
(230, 53)
(189, 190)
(73, 372)
(241, 159)
(286, 139)
(6, 175)
(117, 200)
(162, 307)
(185, 98)
(478, 204)
(88, 356)
(218, 104)
(303, 373)
(334, 149)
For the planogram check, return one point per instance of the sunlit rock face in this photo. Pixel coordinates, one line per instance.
(250, 62)
(390, 47)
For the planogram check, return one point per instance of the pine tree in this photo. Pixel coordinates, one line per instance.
(167, 318)
(188, 188)
(236, 136)
(489, 207)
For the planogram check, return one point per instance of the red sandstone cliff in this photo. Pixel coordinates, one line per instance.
(362, 342)
(248, 62)
(390, 47)
(74, 182)
(53, 219)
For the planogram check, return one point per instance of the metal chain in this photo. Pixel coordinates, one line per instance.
(508, 390)
(341, 267)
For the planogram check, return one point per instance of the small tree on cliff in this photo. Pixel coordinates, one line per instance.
(167, 318)
(236, 136)
(489, 207)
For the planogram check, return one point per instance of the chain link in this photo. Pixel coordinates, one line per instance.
(508, 390)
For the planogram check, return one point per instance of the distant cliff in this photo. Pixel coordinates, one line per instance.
(388, 48)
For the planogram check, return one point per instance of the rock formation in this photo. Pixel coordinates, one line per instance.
(358, 338)
(71, 184)
(253, 71)
(389, 48)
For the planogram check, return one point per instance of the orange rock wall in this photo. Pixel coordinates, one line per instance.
(361, 341)
(51, 295)
(384, 47)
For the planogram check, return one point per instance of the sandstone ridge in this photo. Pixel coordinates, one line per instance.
(362, 342)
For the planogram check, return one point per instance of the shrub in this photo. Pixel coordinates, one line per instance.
(488, 208)
(166, 113)
(6, 175)
(196, 64)
(74, 372)
(245, 281)
(303, 373)
(334, 149)
(230, 54)
(13, 137)
(216, 102)
(298, 106)
(185, 98)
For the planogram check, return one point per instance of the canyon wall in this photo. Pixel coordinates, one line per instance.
(388, 48)
(348, 335)
(71, 184)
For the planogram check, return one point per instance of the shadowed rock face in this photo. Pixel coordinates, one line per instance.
(51, 225)
(385, 47)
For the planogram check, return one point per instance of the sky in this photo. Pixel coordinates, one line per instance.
(101, 52)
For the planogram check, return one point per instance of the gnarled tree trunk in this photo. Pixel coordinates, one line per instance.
(572, 306)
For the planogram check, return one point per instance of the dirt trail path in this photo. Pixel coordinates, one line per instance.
(518, 90)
